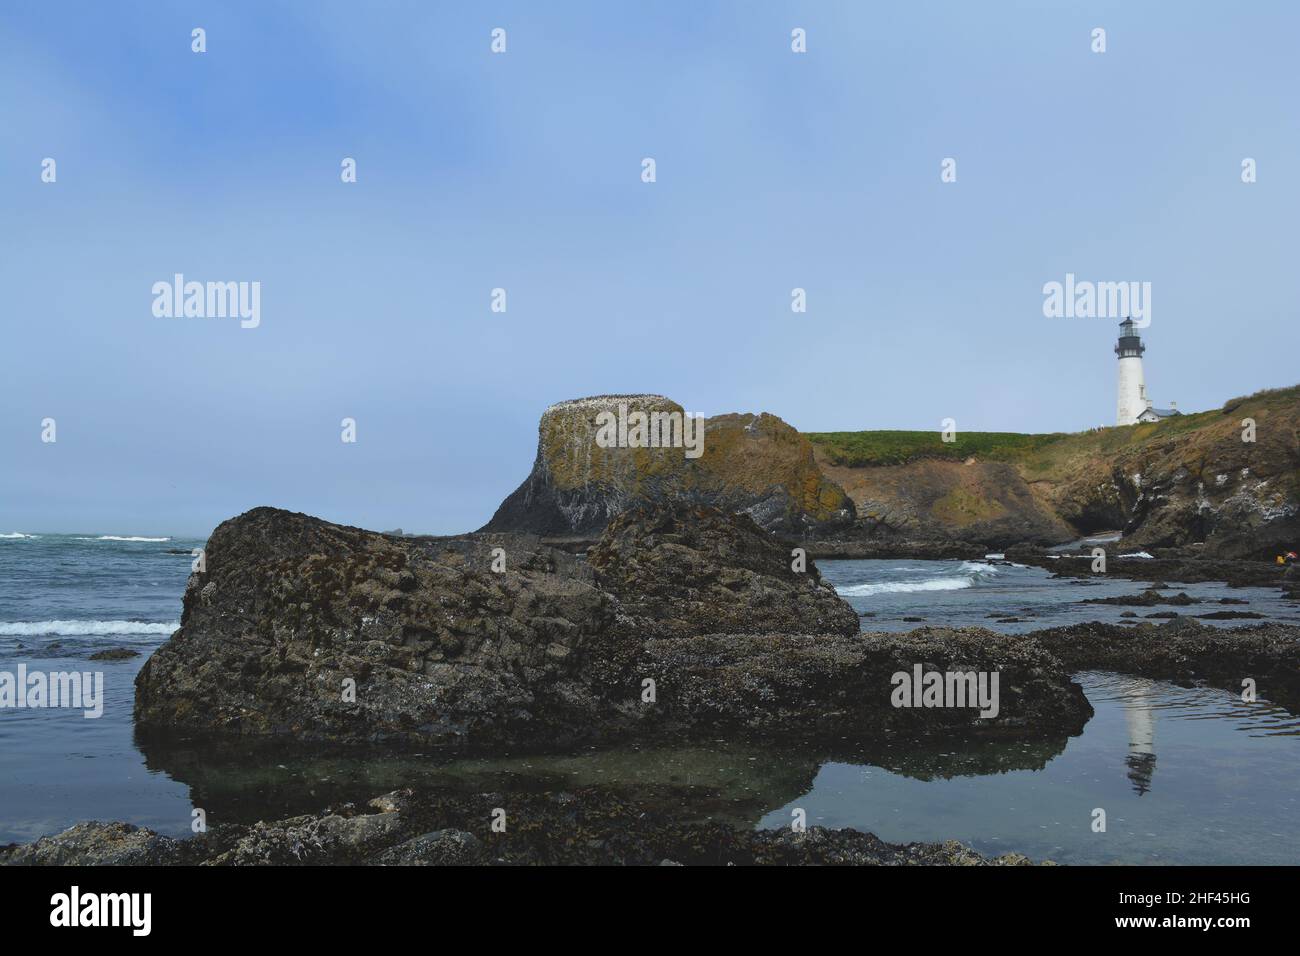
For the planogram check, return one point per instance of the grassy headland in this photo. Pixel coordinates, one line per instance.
(1038, 455)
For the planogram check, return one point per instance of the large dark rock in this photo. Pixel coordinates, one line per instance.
(292, 613)
(839, 687)
(440, 647)
(683, 571)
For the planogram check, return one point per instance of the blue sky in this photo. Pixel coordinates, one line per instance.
(522, 171)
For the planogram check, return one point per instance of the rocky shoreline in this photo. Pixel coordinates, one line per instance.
(1184, 565)
(1198, 482)
(601, 827)
(1184, 651)
(678, 621)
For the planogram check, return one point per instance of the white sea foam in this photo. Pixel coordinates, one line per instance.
(969, 574)
(117, 537)
(72, 628)
(903, 587)
(17, 535)
(1137, 554)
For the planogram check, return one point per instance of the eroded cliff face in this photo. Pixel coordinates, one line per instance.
(1200, 483)
(1189, 480)
(754, 464)
(927, 500)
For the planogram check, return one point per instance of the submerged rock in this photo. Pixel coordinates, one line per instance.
(98, 844)
(1148, 598)
(596, 826)
(1187, 651)
(737, 782)
(115, 654)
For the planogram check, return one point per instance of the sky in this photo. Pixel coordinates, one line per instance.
(522, 170)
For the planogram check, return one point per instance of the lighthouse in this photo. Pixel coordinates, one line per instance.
(1132, 405)
(1131, 401)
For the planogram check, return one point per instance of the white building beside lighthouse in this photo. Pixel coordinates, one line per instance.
(1132, 405)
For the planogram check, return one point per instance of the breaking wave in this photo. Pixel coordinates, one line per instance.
(72, 628)
(969, 573)
(898, 587)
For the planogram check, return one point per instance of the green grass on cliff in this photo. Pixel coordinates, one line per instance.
(863, 449)
(1037, 454)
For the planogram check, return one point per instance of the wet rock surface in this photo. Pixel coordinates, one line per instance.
(733, 780)
(592, 826)
(322, 632)
(1185, 651)
(1148, 598)
(114, 654)
(820, 686)
(1186, 566)
(326, 634)
(681, 572)
(99, 844)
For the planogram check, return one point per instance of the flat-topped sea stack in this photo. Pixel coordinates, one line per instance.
(597, 457)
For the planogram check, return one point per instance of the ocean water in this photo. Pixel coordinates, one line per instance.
(1185, 775)
(887, 593)
(63, 598)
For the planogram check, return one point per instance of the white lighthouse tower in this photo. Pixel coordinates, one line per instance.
(1131, 401)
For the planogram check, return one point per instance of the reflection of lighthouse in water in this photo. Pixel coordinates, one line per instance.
(1141, 721)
